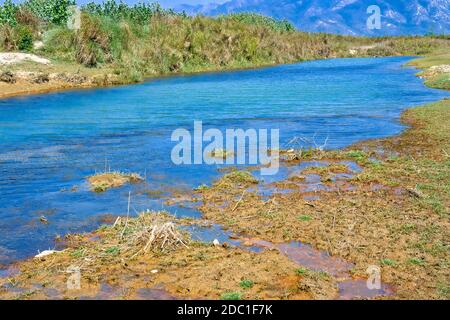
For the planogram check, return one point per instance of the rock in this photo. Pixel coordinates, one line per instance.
(38, 45)
(154, 271)
(415, 193)
(45, 253)
(43, 220)
(76, 79)
(443, 68)
(42, 78)
(216, 243)
(247, 243)
(8, 77)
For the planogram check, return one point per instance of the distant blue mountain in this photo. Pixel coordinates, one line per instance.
(399, 17)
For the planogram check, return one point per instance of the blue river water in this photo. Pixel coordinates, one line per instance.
(50, 143)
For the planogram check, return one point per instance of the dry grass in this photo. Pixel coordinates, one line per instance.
(104, 181)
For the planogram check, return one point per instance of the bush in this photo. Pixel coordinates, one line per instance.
(24, 38)
(27, 18)
(92, 42)
(7, 37)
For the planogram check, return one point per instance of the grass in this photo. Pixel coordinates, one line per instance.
(357, 155)
(437, 69)
(240, 177)
(201, 188)
(396, 213)
(436, 59)
(104, 181)
(231, 296)
(304, 218)
(129, 43)
(246, 284)
(416, 261)
(302, 271)
(388, 262)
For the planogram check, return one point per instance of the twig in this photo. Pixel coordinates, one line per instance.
(128, 216)
(240, 200)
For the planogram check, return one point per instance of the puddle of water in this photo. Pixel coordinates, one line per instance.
(357, 289)
(154, 294)
(305, 183)
(314, 259)
(9, 272)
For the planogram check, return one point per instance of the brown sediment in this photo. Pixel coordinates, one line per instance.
(23, 88)
(116, 266)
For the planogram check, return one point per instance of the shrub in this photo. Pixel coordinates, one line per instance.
(24, 38)
(27, 18)
(7, 37)
(92, 42)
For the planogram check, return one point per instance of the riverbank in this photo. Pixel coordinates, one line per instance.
(29, 78)
(128, 44)
(381, 203)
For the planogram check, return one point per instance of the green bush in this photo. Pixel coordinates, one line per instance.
(25, 38)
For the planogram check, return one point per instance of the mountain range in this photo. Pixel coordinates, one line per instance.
(398, 17)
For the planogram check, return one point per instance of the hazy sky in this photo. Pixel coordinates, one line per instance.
(165, 3)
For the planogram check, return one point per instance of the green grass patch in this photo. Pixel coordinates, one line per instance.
(304, 218)
(246, 284)
(231, 296)
(388, 262)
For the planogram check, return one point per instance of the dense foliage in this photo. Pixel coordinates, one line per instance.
(133, 41)
(260, 20)
(8, 13)
(140, 12)
(53, 11)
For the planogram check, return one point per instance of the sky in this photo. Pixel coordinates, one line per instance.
(165, 3)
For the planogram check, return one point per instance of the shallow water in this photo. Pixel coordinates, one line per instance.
(50, 143)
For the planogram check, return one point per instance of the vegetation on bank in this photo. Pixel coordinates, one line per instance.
(393, 214)
(131, 42)
(436, 69)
